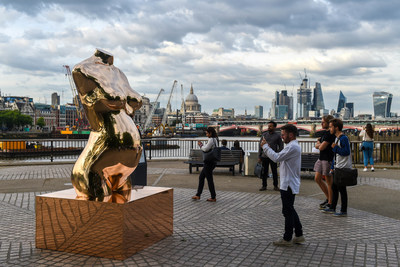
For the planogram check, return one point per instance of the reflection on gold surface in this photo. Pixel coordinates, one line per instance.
(113, 149)
(127, 223)
(119, 197)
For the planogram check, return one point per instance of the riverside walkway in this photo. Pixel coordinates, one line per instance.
(237, 230)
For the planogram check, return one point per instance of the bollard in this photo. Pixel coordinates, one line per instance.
(51, 153)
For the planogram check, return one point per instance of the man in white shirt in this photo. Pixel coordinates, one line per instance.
(290, 164)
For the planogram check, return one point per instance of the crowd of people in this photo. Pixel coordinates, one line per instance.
(334, 153)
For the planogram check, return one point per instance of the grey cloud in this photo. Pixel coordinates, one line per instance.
(4, 38)
(91, 8)
(37, 34)
(226, 21)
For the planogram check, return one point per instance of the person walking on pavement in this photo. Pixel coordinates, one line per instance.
(367, 146)
(323, 165)
(209, 166)
(290, 159)
(342, 159)
(274, 141)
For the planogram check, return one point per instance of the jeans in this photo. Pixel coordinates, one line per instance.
(291, 218)
(274, 168)
(368, 152)
(207, 172)
(343, 197)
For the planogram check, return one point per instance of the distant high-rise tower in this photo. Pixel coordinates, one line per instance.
(304, 104)
(282, 106)
(382, 104)
(286, 100)
(342, 102)
(318, 100)
(350, 106)
(259, 112)
(55, 99)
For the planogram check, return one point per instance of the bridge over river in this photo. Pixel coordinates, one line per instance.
(253, 127)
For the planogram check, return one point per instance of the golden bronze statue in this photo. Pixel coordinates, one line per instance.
(113, 149)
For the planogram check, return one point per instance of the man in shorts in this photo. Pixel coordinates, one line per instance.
(322, 167)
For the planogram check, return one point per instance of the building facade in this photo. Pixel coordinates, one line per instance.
(318, 99)
(224, 113)
(55, 99)
(259, 112)
(192, 103)
(342, 102)
(304, 103)
(282, 106)
(382, 104)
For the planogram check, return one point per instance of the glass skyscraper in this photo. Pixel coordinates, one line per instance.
(382, 104)
(318, 100)
(259, 112)
(342, 102)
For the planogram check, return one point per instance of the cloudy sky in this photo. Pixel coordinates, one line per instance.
(235, 53)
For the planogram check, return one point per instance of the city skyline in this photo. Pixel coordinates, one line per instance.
(236, 55)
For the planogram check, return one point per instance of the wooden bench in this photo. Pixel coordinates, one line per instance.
(308, 161)
(229, 158)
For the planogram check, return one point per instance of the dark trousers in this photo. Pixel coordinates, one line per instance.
(343, 197)
(292, 220)
(274, 168)
(207, 172)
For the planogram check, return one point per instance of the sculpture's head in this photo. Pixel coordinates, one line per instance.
(106, 57)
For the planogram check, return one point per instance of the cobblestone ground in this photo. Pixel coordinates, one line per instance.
(237, 230)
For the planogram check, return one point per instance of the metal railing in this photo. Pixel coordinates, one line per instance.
(385, 152)
(41, 149)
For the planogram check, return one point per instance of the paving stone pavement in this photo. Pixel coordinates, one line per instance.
(64, 170)
(237, 230)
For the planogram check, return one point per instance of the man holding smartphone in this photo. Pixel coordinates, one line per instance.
(290, 159)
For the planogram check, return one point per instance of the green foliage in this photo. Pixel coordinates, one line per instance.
(40, 122)
(13, 119)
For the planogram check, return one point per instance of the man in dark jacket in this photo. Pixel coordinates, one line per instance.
(274, 141)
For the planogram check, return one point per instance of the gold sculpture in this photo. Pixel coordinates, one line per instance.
(113, 150)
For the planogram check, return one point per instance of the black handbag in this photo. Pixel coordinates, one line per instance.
(258, 170)
(345, 176)
(213, 155)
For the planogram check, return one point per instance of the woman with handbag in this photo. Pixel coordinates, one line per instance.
(367, 146)
(209, 165)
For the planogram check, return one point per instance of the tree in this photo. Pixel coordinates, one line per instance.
(40, 122)
(11, 119)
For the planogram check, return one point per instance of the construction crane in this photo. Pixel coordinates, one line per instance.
(164, 119)
(74, 93)
(183, 108)
(151, 113)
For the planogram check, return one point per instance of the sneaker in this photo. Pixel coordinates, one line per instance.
(298, 240)
(283, 243)
(328, 210)
(323, 204)
(365, 169)
(340, 214)
(263, 188)
(372, 169)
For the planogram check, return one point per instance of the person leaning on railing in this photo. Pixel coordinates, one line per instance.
(367, 146)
